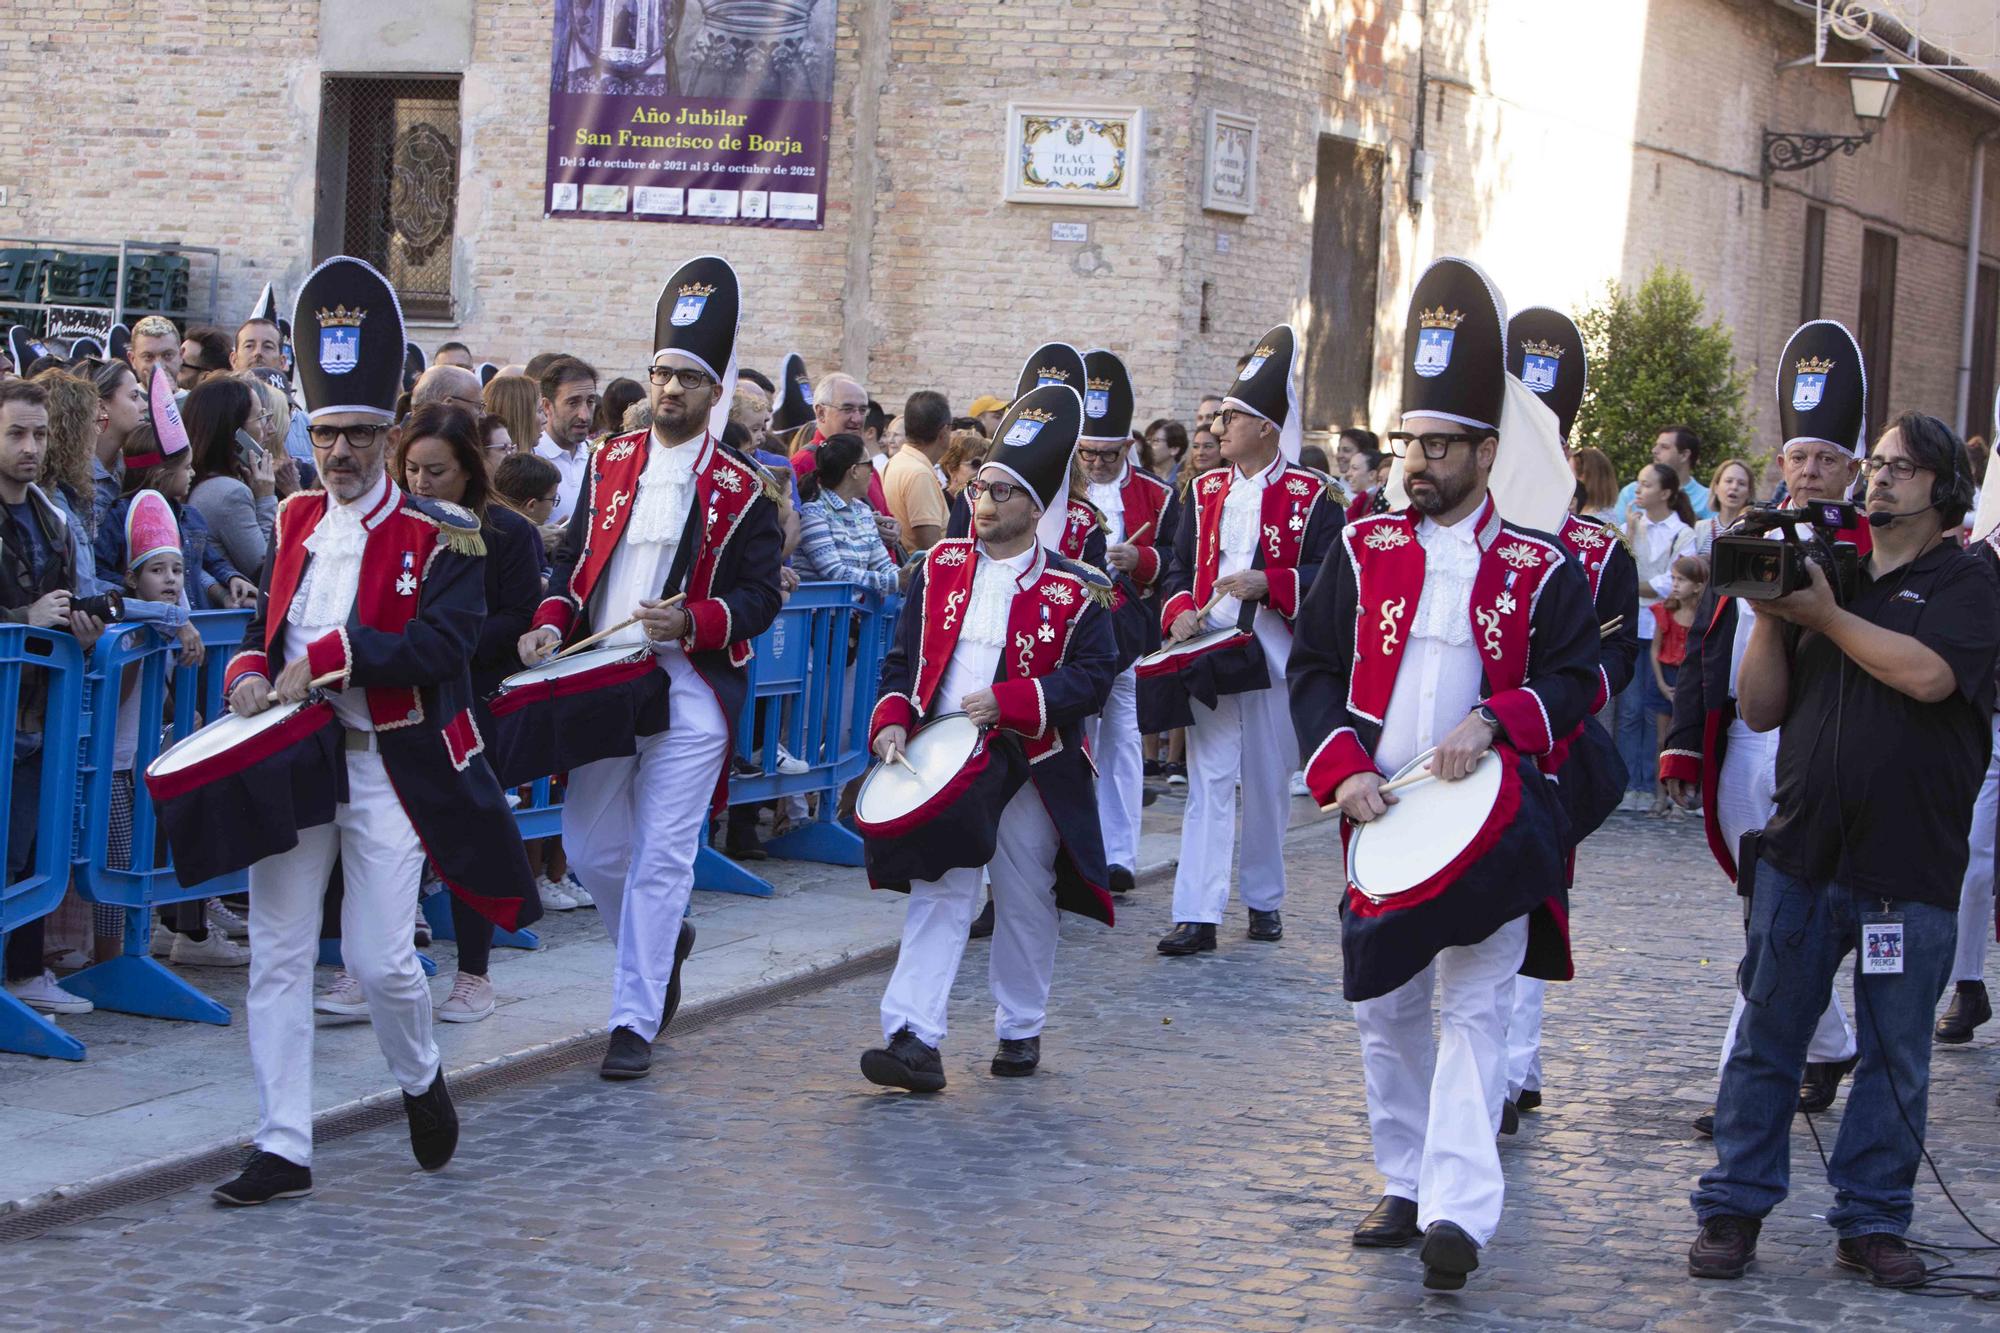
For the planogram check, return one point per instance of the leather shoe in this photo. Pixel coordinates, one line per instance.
(1704, 1124)
(683, 946)
(982, 925)
(1121, 880)
(1529, 1100)
(433, 1124)
(1390, 1225)
(1726, 1246)
(1448, 1255)
(266, 1176)
(1017, 1057)
(1510, 1119)
(1266, 925)
(1887, 1260)
(1188, 937)
(1822, 1083)
(626, 1055)
(1969, 1008)
(906, 1063)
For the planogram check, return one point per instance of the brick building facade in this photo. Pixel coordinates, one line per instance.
(1570, 143)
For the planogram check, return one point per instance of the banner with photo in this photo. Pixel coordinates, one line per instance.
(666, 111)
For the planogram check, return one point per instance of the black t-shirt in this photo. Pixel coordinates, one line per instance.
(1875, 789)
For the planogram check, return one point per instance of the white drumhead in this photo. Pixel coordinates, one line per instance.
(1200, 643)
(220, 737)
(558, 668)
(938, 751)
(1430, 824)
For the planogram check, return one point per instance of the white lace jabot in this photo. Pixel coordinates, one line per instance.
(666, 491)
(333, 576)
(1242, 516)
(994, 583)
(1451, 563)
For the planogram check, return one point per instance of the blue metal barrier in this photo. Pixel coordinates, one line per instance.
(134, 982)
(36, 658)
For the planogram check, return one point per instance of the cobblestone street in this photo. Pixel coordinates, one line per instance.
(1192, 1155)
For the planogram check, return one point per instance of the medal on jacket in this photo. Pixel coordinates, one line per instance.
(1047, 631)
(406, 582)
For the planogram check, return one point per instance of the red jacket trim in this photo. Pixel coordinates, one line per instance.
(1339, 757)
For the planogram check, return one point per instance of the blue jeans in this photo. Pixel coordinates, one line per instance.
(1638, 741)
(1799, 936)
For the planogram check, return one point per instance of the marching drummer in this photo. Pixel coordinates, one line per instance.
(677, 536)
(379, 593)
(1445, 628)
(1005, 629)
(1248, 549)
(1545, 352)
(1129, 502)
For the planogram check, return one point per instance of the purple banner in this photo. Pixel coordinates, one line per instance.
(660, 111)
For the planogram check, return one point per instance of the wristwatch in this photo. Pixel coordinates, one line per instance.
(1486, 715)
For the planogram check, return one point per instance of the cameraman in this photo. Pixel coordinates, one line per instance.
(1883, 705)
(37, 571)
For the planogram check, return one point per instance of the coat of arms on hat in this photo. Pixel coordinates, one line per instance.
(1256, 362)
(1809, 387)
(1539, 363)
(1027, 426)
(1436, 330)
(688, 303)
(340, 339)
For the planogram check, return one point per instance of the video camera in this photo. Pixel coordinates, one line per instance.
(1748, 563)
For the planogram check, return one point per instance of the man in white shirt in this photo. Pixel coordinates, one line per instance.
(569, 402)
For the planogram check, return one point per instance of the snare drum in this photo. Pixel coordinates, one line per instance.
(1425, 832)
(1202, 669)
(241, 788)
(945, 815)
(574, 710)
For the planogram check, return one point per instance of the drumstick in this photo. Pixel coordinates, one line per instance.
(1132, 538)
(583, 643)
(1407, 780)
(1610, 625)
(316, 683)
(896, 757)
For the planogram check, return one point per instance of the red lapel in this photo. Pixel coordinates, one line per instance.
(948, 569)
(1210, 490)
(724, 489)
(1143, 499)
(610, 487)
(1076, 531)
(401, 544)
(1591, 545)
(1389, 570)
(297, 518)
(1512, 568)
(1287, 505)
(1039, 623)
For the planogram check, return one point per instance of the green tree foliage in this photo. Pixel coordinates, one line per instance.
(1655, 363)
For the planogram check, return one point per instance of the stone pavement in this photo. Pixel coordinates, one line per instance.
(151, 1091)
(1192, 1156)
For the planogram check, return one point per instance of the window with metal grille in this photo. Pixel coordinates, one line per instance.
(388, 183)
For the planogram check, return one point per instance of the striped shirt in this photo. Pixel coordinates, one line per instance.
(838, 542)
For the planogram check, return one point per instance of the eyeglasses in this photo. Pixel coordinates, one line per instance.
(1222, 419)
(1001, 491)
(686, 377)
(359, 438)
(1101, 455)
(1902, 469)
(470, 404)
(1435, 445)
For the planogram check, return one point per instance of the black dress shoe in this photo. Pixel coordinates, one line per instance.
(1188, 937)
(1510, 1119)
(905, 1063)
(1017, 1057)
(1121, 880)
(1266, 925)
(1390, 1224)
(745, 849)
(626, 1055)
(1448, 1255)
(1822, 1083)
(982, 925)
(1725, 1248)
(1529, 1100)
(1704, 1124)
(433, 1124)
(683, 946)
(1969, 1008)
(265, 1177)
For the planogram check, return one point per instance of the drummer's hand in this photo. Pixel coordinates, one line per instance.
(294, 683)
(1245, 585)
(1458, 753)
(663, 623)
(1361, 798)
(251, 696)
(1123, 556)
(1186, 625)
(537, 644)
(981, 707)
(889, 741)
(1682, 793)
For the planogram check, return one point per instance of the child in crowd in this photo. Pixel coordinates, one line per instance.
(1672, 615)
(528, 485)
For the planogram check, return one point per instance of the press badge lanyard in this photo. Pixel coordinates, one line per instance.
(1881, 942)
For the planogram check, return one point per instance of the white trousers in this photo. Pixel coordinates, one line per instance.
(1121, 771)
(1524, 1037)
(380, 860)
(1026, 922)
(1434, 1105)
(1745, 798)
(1975, 897)
(1249, 735)
(631, 828)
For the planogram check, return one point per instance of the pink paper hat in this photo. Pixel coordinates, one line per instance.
(167, 427)
(150, 529)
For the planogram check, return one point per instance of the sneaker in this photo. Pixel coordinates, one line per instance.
(573, 886)
(1887, 1260)
(42, 993)
(344, 999)
(162, 941)
(790, 764)
(266, 1176)
(471, 1000)
(1176, 775)
(218, 950)
(1726, 1247)
(906, 1062)
(1299, 787)
(1153, 768)
(553, 897)
(225, 919)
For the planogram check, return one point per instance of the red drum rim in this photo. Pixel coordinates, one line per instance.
(934, 804)
(594, 670)
(288, 730)
(1444, 860)
(1170, 659)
